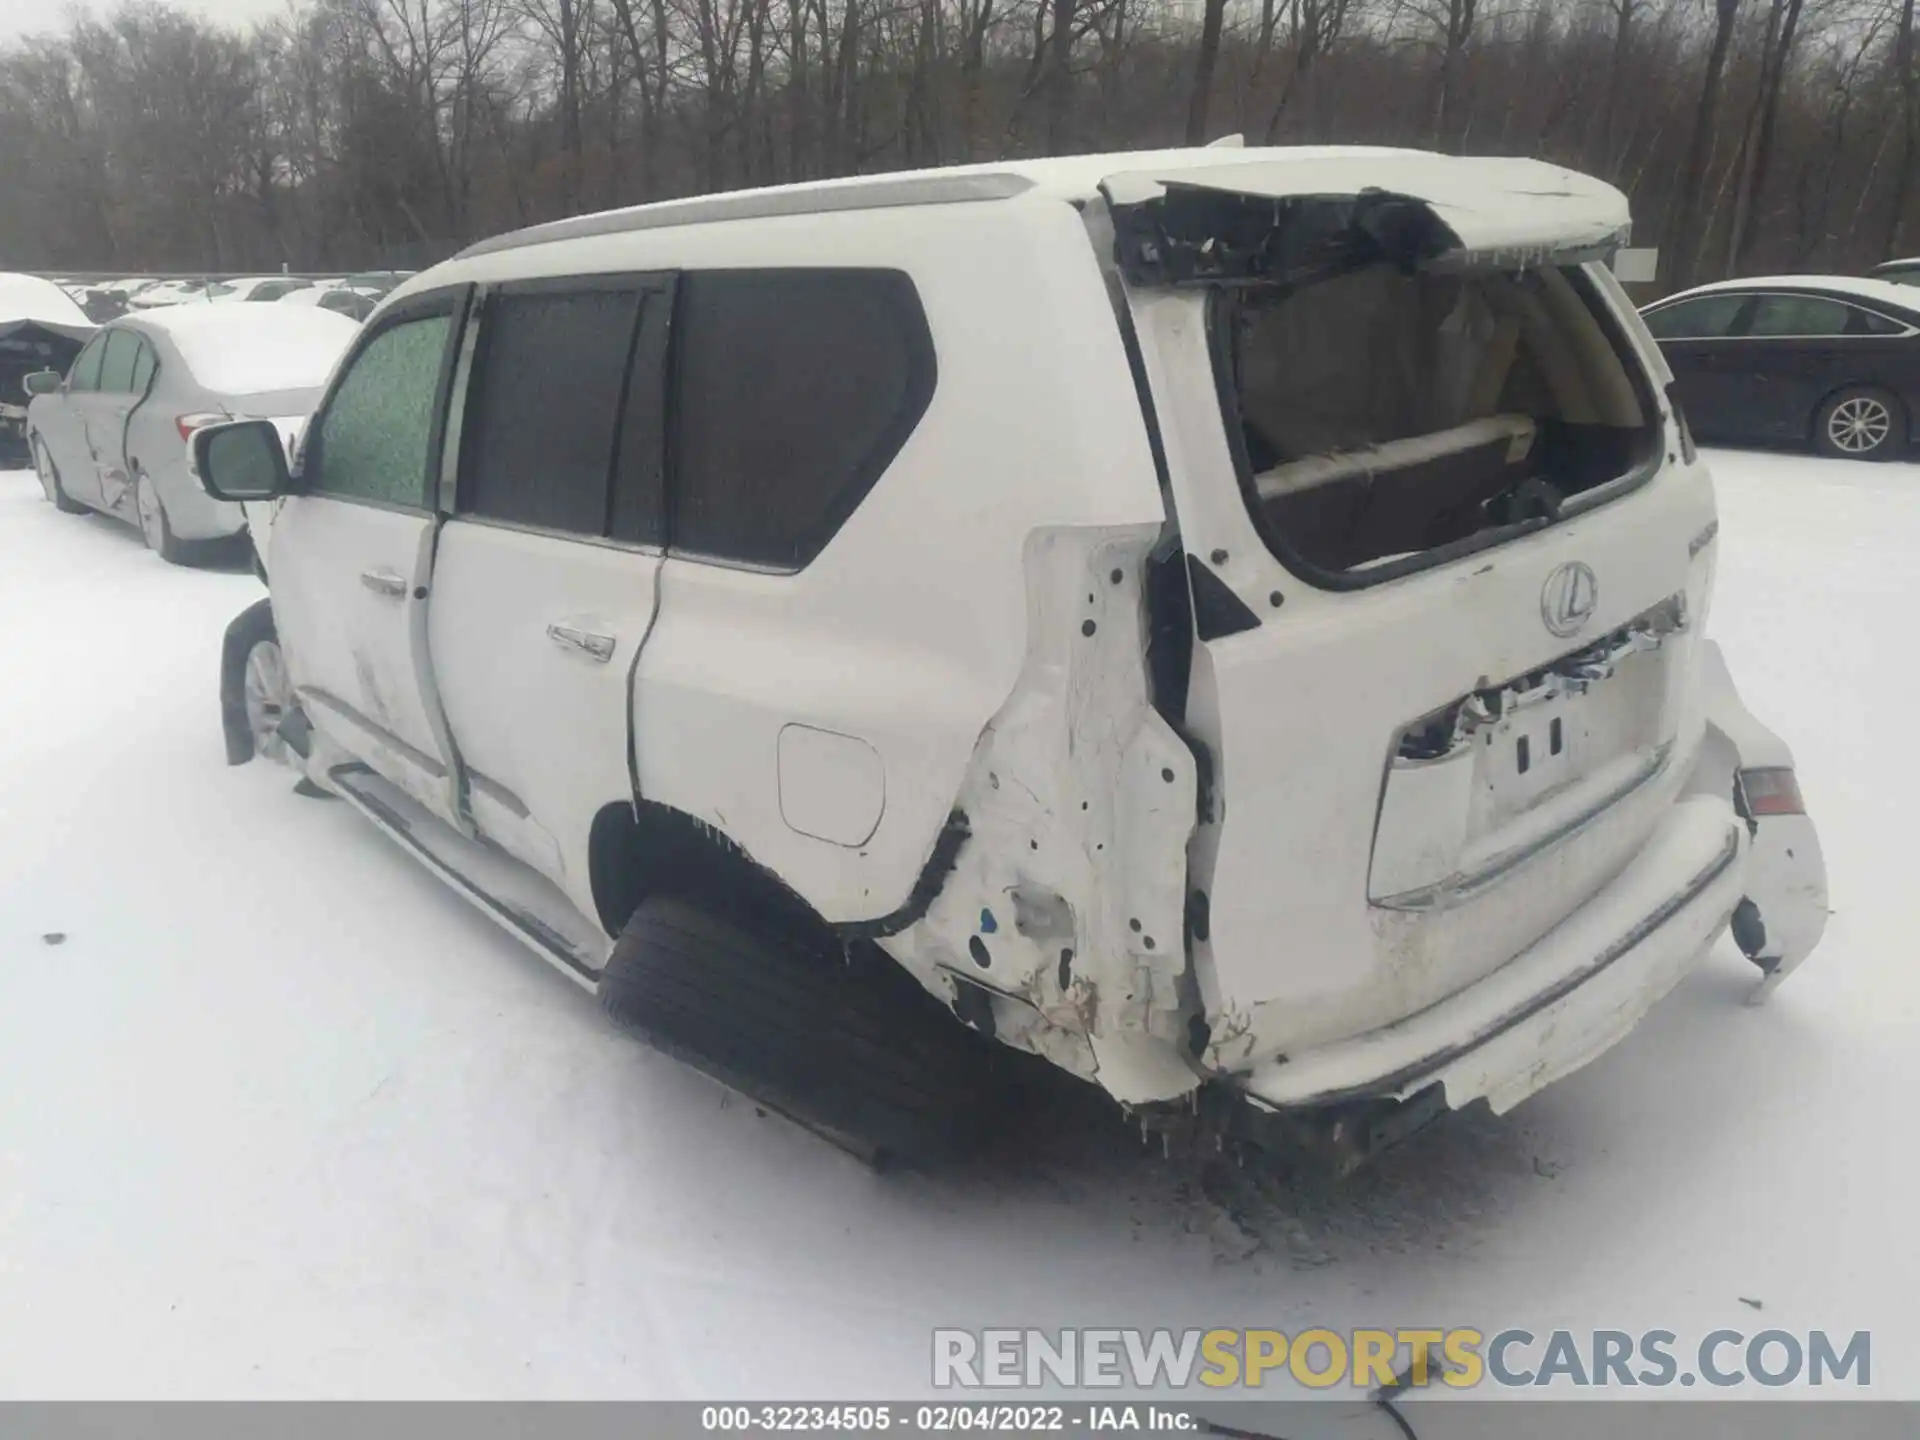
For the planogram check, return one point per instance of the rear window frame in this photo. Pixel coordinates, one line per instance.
(654, 291)
(1220, 353)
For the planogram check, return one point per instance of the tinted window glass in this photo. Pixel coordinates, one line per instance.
(373, 439)
(1704, 319)
(85, 374)
(794, 391)
(116, 371)
(1798, 315)
(1868, 322)
(545, 403)
(143, 367)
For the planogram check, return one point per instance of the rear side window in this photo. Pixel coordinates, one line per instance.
(143, 367)
(794, 390)
(1871, 322)
(116, 371)
(544, 409)
(1798, 315)
(1710, 317)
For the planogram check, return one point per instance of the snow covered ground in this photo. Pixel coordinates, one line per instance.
(282, 1117)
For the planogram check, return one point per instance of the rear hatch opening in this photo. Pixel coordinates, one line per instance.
(1387, 417)
(1404, 379)
(1366, 368)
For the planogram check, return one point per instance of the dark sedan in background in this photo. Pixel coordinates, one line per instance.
(1833, 361)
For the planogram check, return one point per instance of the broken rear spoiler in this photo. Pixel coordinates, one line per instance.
(1298, 218)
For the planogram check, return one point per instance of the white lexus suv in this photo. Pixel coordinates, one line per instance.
(1228, 622)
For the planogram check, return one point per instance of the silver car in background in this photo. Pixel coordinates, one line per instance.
(111, 436)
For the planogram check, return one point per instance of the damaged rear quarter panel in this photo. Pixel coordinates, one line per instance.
(1067, 904)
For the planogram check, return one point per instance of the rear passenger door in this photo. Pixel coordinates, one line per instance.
(107, 417)
(546, 575)
(351, 554)
(1802, 348)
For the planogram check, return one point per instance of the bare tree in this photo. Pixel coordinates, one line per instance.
(369, 132)
(1451, 22)
(1907, 78)
(1682, 238)
(1314, 27)
(1206, 57)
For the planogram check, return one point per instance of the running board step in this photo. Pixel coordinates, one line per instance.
(527, 906)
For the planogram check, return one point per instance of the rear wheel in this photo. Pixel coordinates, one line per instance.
(50, 481)
(1860, 423)
(154, 528)
(847, 1046)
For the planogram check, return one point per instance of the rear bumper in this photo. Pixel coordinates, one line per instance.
(1558, 1004)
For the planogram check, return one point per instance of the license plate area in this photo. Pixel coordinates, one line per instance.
(1472, 780)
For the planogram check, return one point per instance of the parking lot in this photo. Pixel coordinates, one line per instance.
(281, 1116)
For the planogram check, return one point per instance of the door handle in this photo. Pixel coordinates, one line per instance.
(384, 582)
(596, 647)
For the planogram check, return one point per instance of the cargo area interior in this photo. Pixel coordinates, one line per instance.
(1387, 411)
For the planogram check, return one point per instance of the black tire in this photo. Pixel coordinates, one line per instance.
(1862, 422)
(252, 626)
(847, 1046)
(50, 481)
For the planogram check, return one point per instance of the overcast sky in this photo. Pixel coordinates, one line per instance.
(26, 17)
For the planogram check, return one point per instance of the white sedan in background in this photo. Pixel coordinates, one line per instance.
(111, 435)
(256, 288)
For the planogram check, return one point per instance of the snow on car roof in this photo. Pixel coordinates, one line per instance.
(251, 349)
(28, 297)
(1857, 287)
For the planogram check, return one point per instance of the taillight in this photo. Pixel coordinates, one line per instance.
(1772, 791)
(187, 424)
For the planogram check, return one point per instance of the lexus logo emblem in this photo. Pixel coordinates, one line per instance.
(1569, 598)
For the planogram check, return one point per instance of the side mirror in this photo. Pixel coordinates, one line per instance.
(240, 460)
(41, 382)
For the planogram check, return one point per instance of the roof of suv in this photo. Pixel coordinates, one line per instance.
(1069, 177)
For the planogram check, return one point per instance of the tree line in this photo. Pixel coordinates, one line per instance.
(1751, 135)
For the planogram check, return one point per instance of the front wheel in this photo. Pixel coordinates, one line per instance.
(1860, 423)
(268, 695)
(256, 692)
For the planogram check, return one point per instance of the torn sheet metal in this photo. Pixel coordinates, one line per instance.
(1067, 904)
